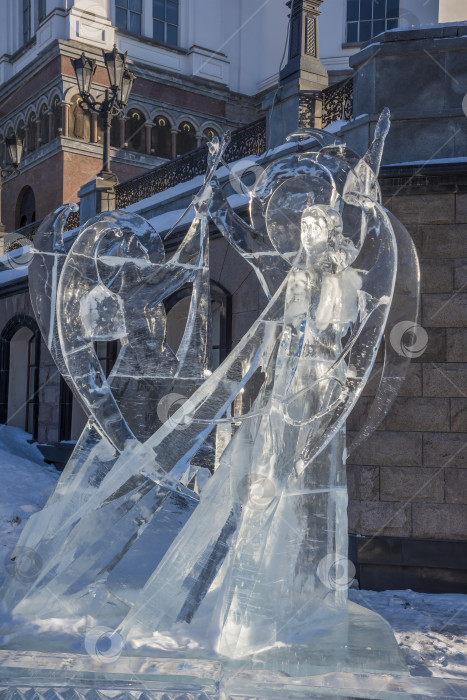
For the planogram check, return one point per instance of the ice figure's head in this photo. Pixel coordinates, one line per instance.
(323, 240)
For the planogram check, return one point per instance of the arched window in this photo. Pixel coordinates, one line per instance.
(115, 138)
(177, 308)
(209, 134)
(32, 134)
(19, 375)
(72, 417)
(25, 207)
(161, 138)
(134, 131)
(44, 118)
(21, 131)
(56, 116)
(186, 138)
(79, 125)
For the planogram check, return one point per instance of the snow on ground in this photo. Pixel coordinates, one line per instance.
(430, 629)
(26, 482)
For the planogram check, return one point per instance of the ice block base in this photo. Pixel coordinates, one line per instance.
(358, 659)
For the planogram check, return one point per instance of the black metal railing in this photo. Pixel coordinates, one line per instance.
(28, 232)
(25, 233)
(72, 221)
(337, 102)
(248, 141)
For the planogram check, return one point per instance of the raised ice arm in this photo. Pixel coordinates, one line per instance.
(253, 245)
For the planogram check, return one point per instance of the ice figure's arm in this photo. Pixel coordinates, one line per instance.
(402, 320)
(374, 154)
(252, 245)
(356, 365)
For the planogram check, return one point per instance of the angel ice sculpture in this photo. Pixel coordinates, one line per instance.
(233, 546)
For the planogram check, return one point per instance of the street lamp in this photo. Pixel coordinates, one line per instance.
(14, 152)
(121, 81)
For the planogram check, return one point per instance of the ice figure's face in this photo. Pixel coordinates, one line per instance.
(323, 240)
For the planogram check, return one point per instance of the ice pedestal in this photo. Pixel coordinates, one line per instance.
(358, 658)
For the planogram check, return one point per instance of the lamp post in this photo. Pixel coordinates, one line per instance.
(14, 153)
(121, 82)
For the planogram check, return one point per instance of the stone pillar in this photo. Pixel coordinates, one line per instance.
(174, 133)
(65, 118)
(297, 103)
(97, 196)
(38, 131)
(50, 116)
(148, 134)
(26, 139)
(198, 140)
(94, 127)
(122, 132)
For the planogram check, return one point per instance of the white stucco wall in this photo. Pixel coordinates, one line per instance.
(237, 43)
(452, 10)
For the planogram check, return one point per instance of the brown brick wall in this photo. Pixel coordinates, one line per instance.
(46, 180)
(78, 169)
(410, 478)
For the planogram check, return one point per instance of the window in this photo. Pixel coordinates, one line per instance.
(25, 207)
(20, 374)
(56, 117)
(128, 15)
(367, 18)
(44, 118)
(21, 131)
(209, 134)
(32, 134)
(72, 417)
(107, 354)
(165, 21)
(31, 385)
(115, 134)
(41, 10)
(135, 132)
(186, 138)
(177, 308)
(26, 21)
(161, 138)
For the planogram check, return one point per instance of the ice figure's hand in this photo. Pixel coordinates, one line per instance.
(202, 201)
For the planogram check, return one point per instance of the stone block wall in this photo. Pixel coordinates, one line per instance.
(410, 478)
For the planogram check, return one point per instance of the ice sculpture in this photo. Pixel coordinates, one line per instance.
(154, 528)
